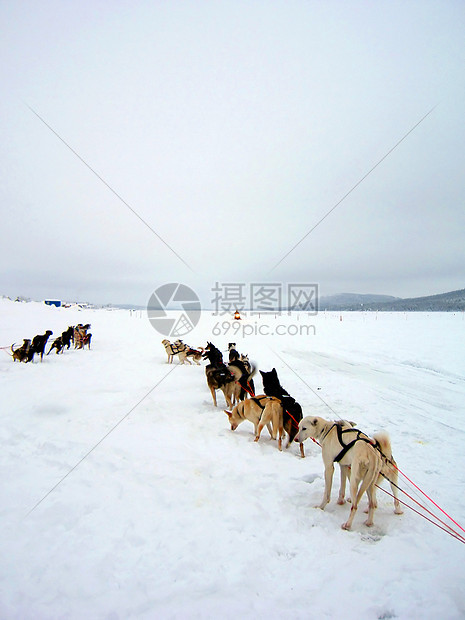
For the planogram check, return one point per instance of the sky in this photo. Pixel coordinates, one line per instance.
(204, 142)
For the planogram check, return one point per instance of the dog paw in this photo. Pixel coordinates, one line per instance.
(345, 526)
(341, 502)
(368, 523)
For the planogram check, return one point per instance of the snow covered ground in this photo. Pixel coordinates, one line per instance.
(124, 494)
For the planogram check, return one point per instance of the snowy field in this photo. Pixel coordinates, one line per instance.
(124, 493)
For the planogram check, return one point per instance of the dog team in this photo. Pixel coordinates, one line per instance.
(79, 335)
(362, 460)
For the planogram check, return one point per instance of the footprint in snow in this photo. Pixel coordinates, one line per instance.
(310, 478)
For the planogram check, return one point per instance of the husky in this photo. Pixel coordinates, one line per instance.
(187, 353)
(261, 411)
(58, 345)
(369, 461)
(232, 379)
(81, 337)
(22, 352)
(171, 350)
(220, 378)
(292, 411)
(233, 354)
(251, 370)
(38, 345)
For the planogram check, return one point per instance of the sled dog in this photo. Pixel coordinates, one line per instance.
(68, 336)
(171, 350)
(292, 411)
(81, 337)
(261, 411)
(186, 353)
(38, 345)
(369, 461)
(21, 353)
(220, 378)
(233, 354)
(57, 344)
(232, 379)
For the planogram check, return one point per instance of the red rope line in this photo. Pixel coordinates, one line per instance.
(427, 497)
(451, 533)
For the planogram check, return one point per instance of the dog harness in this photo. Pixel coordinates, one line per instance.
(346, 447)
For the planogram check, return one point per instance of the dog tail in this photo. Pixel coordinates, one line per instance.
(384, 444)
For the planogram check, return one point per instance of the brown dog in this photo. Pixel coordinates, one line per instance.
(21, 353)
(261, 411)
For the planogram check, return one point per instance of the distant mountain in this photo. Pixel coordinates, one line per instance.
(453, 301)
(353, 300)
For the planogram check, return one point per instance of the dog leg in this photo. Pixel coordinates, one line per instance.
(342, 490)
(280, 428)
(393, 479)
(371, 505)
(329, 471)
(262, 423)
(364, 473)
(213, 391)
(227, 397)
(354, 481)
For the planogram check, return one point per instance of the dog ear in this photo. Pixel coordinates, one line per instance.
(228, 413)
(262, 373)
(315, 421)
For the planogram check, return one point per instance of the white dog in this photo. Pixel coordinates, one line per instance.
(368, 460)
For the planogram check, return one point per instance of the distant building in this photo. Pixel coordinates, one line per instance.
(53, 302)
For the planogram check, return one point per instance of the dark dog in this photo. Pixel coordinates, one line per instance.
(251, 370)
(67, 337)
(57, 344)
(233, 354)
(21, 353)
(233, 379)
(218, 375)
(292, 411)
(38, 346)
(214, 355)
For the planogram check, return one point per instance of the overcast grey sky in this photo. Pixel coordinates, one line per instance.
(231, 128)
